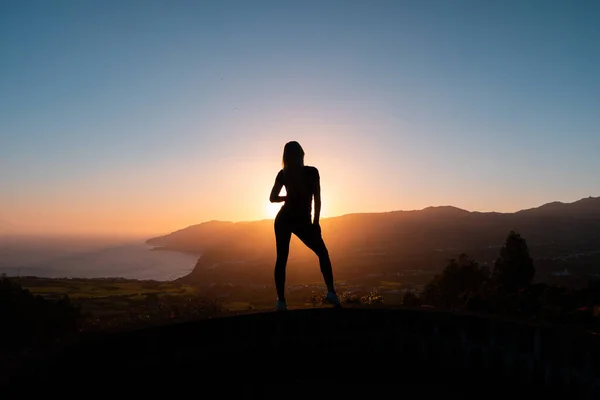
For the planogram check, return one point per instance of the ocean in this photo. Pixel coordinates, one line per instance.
(90, 257)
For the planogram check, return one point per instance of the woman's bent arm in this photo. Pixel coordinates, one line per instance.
(275, 197)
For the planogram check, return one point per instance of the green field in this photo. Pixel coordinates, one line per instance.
(109, 303)
(100, 288)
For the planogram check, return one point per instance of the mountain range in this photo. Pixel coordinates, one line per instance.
(559, 235)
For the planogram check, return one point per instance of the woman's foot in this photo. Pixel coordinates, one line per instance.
(280, 305)
(332, 298)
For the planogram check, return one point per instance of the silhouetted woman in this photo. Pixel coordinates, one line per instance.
(301, 184)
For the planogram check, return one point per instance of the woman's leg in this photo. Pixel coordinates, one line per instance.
(311, 237)
(283, 234)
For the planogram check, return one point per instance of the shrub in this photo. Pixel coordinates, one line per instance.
(29, 321)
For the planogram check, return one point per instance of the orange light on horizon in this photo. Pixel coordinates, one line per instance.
(271, 209)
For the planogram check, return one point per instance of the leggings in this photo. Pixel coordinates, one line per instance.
(310, 235)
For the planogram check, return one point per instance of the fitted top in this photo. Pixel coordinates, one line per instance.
(300, 185)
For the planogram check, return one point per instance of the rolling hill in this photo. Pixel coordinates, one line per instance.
(560, 235)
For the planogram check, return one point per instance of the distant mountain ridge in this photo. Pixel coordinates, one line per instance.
(198, 238)
(386, 243)
(586, 207)
(431, 227)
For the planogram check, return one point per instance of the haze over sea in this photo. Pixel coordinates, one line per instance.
(90, 257)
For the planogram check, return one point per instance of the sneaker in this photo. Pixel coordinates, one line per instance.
(332, 298)
(280, 305)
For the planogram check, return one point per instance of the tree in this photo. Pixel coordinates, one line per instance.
(28, 320)
(514, 269)
(411, 299)
(460, 279)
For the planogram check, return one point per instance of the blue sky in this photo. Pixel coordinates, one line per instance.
(147, 115)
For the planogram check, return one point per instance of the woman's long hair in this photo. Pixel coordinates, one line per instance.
(293, 156)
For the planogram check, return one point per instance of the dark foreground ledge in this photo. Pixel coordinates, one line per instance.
(354, 353)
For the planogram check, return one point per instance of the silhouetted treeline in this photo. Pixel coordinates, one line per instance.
(34, 322)
(507, 289)
(29, 321)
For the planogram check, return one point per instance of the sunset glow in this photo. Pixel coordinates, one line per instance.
(437, 163)
(272, 209)
(146, 124)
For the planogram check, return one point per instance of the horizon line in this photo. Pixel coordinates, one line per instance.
(141, 235)
(400, 210)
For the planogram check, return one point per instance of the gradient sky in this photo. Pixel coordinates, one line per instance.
(145, 116)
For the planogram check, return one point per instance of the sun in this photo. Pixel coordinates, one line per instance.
(271, 209)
